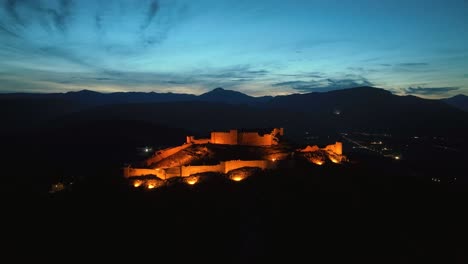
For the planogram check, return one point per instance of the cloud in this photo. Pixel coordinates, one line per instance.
(4, 30)
(24, 12)
(60, 16)
(234, 72)
(132, 80)
(152, 10)
(324, 85)
(430, 90)
(413, 64)
(10, 7)
(304, 75)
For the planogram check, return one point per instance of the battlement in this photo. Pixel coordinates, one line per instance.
(234, 137)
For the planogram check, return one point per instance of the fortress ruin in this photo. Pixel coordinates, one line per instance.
(170, 163)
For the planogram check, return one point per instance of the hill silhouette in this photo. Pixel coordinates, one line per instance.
(460, 101)
(362, 108)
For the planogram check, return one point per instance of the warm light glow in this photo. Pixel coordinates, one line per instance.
(137, 183)
(334, 160)
(237, 177)
(397, 157)
(273, 159)
(317, 161)
(191, 180)
(151, 184)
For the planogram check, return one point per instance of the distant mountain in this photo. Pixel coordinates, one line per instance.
(232, 97)
(460, 101)
(360, 108)
(94, 98)
(225, 96)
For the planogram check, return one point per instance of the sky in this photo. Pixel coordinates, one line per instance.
(262, 47)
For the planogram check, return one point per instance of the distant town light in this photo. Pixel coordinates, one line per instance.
(397, 157)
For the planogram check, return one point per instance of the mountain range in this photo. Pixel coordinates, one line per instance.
(360, 108)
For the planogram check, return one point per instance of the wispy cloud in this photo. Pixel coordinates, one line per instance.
(10, 7)
(152, 10)
(234, 72)
(6, 31)
(430, 90)
(61, 15)
(314, 74)
(229, 77)
(413, 64)
(24, 12)
(324, 85)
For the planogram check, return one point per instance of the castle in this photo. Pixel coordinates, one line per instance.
(164, 164)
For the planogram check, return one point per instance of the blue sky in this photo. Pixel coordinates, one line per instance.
(256, 47)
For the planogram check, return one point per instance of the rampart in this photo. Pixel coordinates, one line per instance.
(336, 148)
(192, 139)
(185, 171)
(234, 137)
(162, 154)
(235, 164)
(228, 138)
(136, 172)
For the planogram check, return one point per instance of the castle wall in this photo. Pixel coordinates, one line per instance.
(228, 138)
(189, 170)
(235, 164)
(185, 171)
(254, 139)
(135, 172)
(336, 148)
(310, 148)
(277, 131)
(191, 139)
(162, 154)
(173, 172)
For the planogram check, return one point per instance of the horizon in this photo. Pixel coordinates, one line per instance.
(254, 96)
(265, 48)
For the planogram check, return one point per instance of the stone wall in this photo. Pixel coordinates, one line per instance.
(228, 138)
(162, 154)
(136, 172)
(235, 164)
(185, 171)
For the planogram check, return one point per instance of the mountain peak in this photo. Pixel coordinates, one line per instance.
(84, 91)
(227, 96)
(218, 89)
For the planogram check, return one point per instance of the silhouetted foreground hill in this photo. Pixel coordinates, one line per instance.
(459, 101)
(91, 150)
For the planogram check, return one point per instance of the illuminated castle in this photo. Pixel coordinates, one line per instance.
(169, 163)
